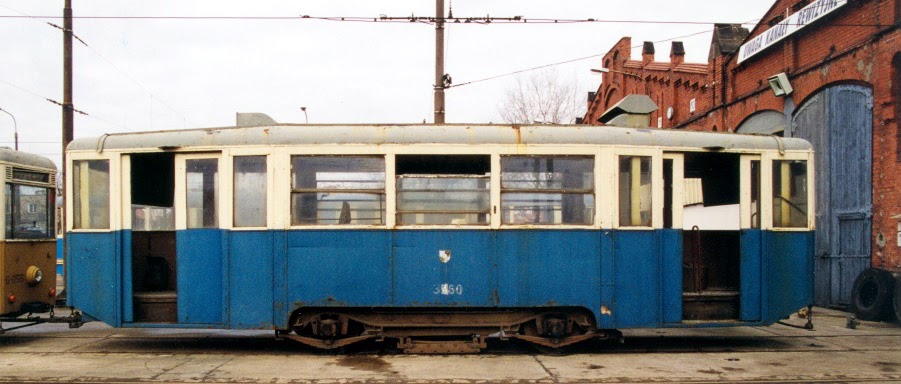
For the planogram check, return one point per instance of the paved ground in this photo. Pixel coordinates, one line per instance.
(97, 353)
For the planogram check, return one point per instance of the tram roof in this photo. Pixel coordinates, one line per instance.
(303, 134)
(9, 155)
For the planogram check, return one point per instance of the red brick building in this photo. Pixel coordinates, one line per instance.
(842, 60)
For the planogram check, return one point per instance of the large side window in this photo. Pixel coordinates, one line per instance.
(29, 212)
(332, 190)
(443, 189)
(547, 190)
(790, 194)
(635, 191)
(250, 191)
(91, 184)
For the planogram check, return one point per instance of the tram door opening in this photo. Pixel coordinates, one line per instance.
(711, 237)
(154, 272)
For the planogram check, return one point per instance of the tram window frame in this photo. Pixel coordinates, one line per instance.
(355, 164)
(626, 217)
(95, 191)
(448, 178)
(250, 193)
(16, 210)
(755, 214)
(549, 188)
(206, 202)
(792, 197)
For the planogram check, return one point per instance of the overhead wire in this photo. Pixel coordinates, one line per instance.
(525, 70)
(108, 61)
(52, 101)
(407, 19)
(582, 58)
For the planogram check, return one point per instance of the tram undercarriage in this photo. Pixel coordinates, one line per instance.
(29, 317)
(443, 330)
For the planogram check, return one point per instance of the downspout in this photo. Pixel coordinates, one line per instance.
(723, 96)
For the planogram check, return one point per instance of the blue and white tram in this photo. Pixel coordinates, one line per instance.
(439, 235)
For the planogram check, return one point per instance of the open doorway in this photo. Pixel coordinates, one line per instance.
(153, 250)
(711, 244)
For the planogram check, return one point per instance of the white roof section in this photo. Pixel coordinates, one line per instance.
(303, 134)
(8, 155)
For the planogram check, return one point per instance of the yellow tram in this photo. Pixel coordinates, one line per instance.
(28, 243)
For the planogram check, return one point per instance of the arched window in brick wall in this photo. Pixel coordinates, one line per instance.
(611, 98)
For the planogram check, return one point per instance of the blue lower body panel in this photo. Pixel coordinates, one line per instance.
(255, 279)
(94, 266)
(549, 268)
(250, 279)
(200, 276)
(636, 284)
(787, 273)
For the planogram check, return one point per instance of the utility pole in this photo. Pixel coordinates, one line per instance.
(439, 61)
(68, 117)
(442, 80)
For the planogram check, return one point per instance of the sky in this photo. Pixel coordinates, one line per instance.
(167, 73)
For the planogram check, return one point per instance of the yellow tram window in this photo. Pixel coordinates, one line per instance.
(635, 191)
(91, 194)
(790, 194)
(29, 212)
(547, 190)
(250, 191)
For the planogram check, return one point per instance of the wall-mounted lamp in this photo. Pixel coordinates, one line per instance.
(780, 85)
(606, 70)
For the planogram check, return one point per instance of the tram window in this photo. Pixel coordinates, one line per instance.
(443, 189)
(547, 190)
(250, 191)
(635, 191)
(712, 194)
(202, 192)
(338, 190)
(152, 192)
(755, 194)
(790, 194)
(28, 212)
(91, 194)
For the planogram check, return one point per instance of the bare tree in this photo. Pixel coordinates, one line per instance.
(543, 97)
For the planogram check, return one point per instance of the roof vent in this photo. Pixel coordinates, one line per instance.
(253, 119)
(633, 111)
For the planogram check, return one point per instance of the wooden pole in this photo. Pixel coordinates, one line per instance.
(439, 61)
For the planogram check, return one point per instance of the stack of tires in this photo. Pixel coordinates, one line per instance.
(876, 295)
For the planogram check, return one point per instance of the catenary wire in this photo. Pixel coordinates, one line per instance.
(108, 61)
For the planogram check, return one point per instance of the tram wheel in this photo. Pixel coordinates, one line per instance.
(531, 329)
(871, 297)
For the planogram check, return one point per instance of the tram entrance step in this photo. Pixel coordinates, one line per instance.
(710, 305)
(156, 307)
